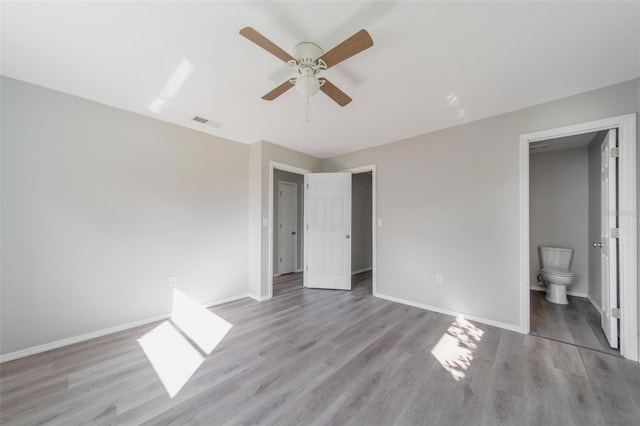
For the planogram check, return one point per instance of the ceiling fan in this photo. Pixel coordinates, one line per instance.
(308, 61)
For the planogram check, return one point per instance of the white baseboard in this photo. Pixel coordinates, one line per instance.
(570, 293)
(359, 271)
(493, 323)
(258, 298)
(103, 332)
(595, 305)
(279, 275)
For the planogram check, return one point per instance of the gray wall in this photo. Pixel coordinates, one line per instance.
(101, 206)
(361, 257)
(595, 269)
(450, 204)
(637, 90)
(558, 210)
(282, 176)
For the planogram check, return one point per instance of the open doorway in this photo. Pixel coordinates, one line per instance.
(363, 261)
(362, 232)
(288, 235)
(619, 234)
(565, 216)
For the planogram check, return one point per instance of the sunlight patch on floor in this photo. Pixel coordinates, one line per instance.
(172, 356)
(203, 327)
(177, 348)
(454, 351)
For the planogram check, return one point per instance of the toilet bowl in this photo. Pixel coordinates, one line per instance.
(555, 270)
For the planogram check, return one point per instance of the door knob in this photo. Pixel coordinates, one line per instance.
(597, 245)
(347, 236)
(293, 233)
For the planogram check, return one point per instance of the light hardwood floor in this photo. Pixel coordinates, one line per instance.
(576, 323)
(330, 357)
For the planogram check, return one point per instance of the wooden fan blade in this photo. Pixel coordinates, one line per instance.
(351, 46)
(334, 93)
(278, 91)
(265, 43)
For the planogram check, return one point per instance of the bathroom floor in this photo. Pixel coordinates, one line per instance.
(577, 323)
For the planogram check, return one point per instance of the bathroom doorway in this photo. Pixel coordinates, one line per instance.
(564, 215)
(562, 207)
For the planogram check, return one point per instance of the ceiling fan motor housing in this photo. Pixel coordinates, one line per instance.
(307, 53)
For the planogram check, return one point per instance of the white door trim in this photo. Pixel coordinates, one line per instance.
(287, 168)
(362, 169)
(628, 243)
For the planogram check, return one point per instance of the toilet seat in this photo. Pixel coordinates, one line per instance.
(558, 272)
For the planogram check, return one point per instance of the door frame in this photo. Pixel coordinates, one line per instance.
(286, 168)
(295, 250)
(627, 219)
(374, 274)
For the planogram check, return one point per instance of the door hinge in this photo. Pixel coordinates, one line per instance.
(615, 233)
(281, 193)
(280, 226)
(307, 268)
(280, 259)
(307, 226)
(307, 186)
(615, 312)
(615, 152)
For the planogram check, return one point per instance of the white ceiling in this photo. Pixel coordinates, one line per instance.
(432, 66)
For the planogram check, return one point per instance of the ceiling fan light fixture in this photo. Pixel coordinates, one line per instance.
(307, 85)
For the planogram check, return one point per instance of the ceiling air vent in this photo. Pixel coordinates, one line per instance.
(206, 121)
(200, 119)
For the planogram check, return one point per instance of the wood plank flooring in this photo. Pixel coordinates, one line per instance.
(329, 357)
(287, 283)
(576, 323)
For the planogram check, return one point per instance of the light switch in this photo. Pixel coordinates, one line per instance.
(265, 222)
(379, 222)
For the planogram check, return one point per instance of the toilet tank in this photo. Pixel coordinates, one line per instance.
(555, 257)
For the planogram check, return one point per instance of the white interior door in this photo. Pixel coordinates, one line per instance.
(287, 227)
(327, 240)
(609, 244)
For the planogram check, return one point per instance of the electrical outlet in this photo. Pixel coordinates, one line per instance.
(439, 278)
(172, 282)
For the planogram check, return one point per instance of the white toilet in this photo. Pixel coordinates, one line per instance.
(555, 269)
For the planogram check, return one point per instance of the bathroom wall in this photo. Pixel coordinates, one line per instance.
(595, 269)
(559, 210)
(361, 222)
(282, 176)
